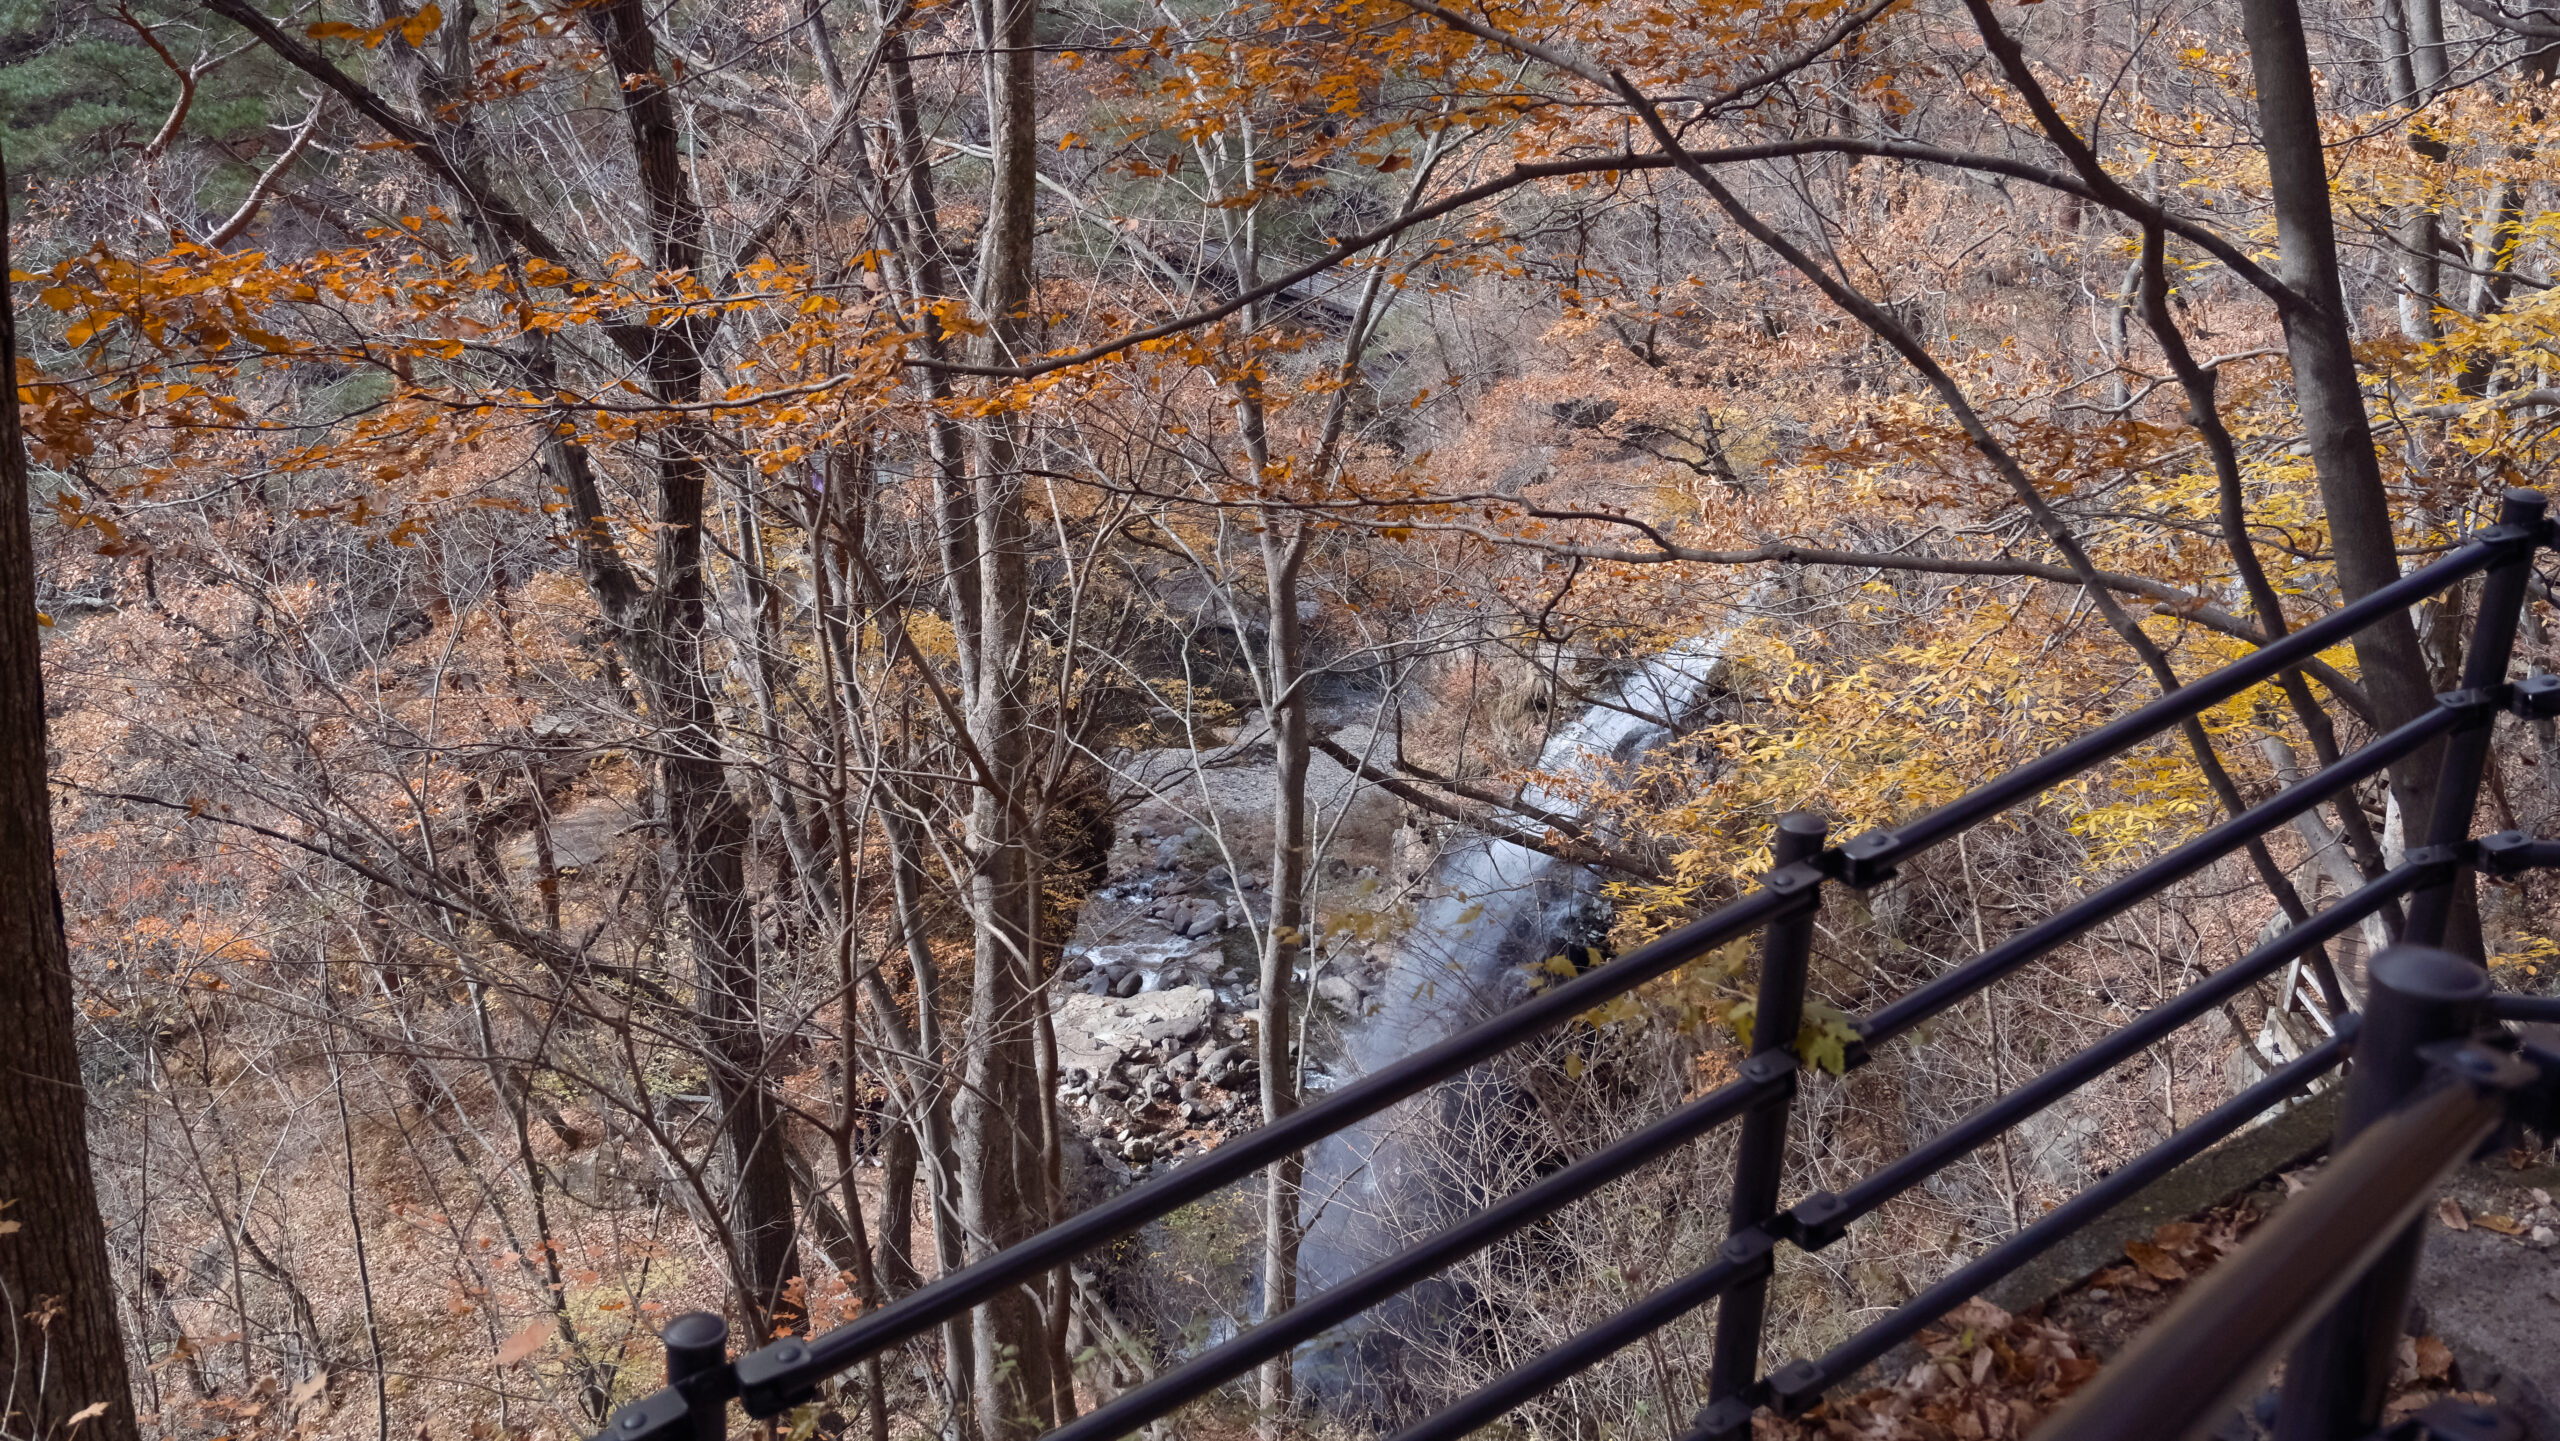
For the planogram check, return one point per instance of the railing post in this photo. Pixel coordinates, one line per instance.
(2334, 1382)
(697, 1345)
(1759, 1165)
(2466, 750)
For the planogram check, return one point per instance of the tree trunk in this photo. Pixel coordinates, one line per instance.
(2326, 389)
(1284, 942)
(707, 826)
(65, 1353)
(1005, 1168)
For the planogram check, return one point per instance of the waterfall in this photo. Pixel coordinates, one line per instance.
(1492, 908)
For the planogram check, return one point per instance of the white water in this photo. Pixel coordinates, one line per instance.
(1493, 907)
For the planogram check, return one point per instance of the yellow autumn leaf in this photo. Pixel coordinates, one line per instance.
(418, 27)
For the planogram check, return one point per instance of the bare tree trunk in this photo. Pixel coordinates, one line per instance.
(2326, 389)
(708, 830)
(1004, 1171)
(1284, 942)
(65, 1353)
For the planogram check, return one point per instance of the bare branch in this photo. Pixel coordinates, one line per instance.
(259, 193)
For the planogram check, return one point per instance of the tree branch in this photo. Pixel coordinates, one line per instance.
(1562, 847)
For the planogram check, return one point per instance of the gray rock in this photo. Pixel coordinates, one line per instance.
(1339, 993)
(1099, 1032)
(1128, 983)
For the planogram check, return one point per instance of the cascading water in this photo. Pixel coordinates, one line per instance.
(1492, 908)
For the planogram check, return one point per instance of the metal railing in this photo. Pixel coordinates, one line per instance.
(774, 1378)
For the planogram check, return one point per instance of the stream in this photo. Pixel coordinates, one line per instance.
(1492, 908)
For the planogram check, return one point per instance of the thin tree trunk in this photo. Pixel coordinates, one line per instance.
(999, 1124)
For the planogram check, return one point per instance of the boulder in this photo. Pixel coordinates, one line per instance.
(1099, 1032)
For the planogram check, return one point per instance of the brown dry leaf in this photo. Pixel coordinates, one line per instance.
(2435, 1359)
(1980, 1315)
(309, 1391)
(90, 1412)
(2159, 1265)
(2449, 1211)
(524, 1343)
(1982, 1359)
(2178, 1237)
(2503, 1225)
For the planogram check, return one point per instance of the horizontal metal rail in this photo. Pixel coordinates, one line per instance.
(772, 1380)
(1796, 1384)
(1744, 1253)
(2527, 1009)
(1931, 1156)
(1314, 1317)
(1873, 856)
(2148, 880)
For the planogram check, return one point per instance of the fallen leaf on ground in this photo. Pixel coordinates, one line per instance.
(524, 1343)
(2178, 1237)
(2449, 1211)
(2155, 1263)
(2119, 1278)
(309, 1391)
(2435, 1359)
(2503, 1225)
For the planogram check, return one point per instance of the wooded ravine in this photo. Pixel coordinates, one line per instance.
(723, 656)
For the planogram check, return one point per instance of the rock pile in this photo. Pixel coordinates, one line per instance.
(1155, 1003)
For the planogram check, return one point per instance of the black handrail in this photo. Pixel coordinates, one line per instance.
(777, 1377)
(1809, 1378)
(2425, 1097)
(1873, 856)
(770, 1380)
